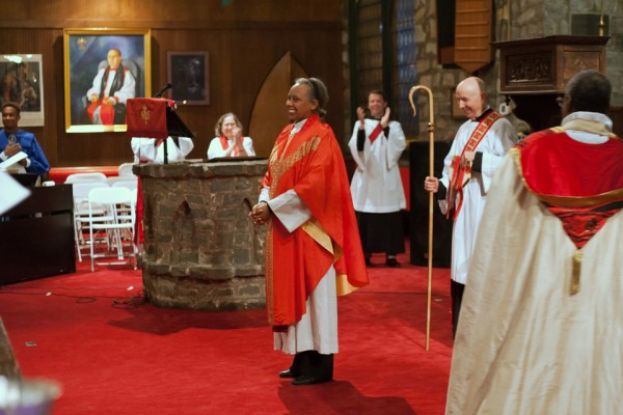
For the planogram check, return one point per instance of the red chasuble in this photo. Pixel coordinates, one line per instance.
(312, 165)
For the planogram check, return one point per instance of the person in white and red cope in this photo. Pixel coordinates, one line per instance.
(542, 322)
(478, 148)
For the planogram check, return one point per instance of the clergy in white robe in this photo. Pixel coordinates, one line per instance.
(483, 160)
(148, 150)
(229, 140)
(226, 147)
(378, 195)
(541, 329)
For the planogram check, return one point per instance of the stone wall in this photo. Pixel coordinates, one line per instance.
(537, 18)
(201, 249)
(614, 47)
(430, 73)
(527, 18)
(443, 80)
(513, 20)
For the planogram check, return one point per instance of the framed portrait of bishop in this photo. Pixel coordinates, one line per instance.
(103, 68)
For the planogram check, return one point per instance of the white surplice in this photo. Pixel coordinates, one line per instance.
(497, 141)
(146, 150)
(525, 345)
(376, 186)
(126, 91)
(215, 149)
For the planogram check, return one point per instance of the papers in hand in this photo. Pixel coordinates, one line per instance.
(12, 192)
(15, 158)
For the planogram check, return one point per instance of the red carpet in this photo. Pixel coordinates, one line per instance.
(113, 354)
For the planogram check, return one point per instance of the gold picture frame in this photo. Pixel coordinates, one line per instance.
(95, 91)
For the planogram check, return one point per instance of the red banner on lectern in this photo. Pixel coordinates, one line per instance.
(147, 117)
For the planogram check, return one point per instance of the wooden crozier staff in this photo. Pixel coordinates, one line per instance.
(431, 164)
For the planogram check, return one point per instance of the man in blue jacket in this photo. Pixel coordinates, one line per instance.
(14, 140)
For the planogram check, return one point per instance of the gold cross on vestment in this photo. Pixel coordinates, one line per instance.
(145, 114)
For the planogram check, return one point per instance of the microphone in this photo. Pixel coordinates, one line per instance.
(164, 89)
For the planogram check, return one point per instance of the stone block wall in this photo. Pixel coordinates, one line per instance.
(443, 80)
(537, 18)
(513, 20)
(201, 250)
(440, 80)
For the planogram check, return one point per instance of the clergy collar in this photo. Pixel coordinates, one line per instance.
(588, 116)
(297, 126)
(587, 127)
(483, 114)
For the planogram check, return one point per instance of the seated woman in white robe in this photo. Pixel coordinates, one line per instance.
(229, 140)
(148, 150)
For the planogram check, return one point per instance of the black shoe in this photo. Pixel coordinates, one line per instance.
(286, 374)
(299, 364)
(309, 380)
(391, 262)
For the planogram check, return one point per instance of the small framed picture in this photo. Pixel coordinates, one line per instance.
(104, 68)
(188, 74)
(22, 84)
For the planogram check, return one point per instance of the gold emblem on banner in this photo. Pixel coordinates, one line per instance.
(145, 114)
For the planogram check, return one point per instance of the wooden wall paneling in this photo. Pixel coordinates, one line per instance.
(164, 13)
(38, 41)
(268, 115)
(242, 51)
(200, 119)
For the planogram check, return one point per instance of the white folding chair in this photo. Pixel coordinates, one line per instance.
(86, 177)
(81, 210)
(128, 183)
(125, 170)
(112, 221)
(112, 179)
